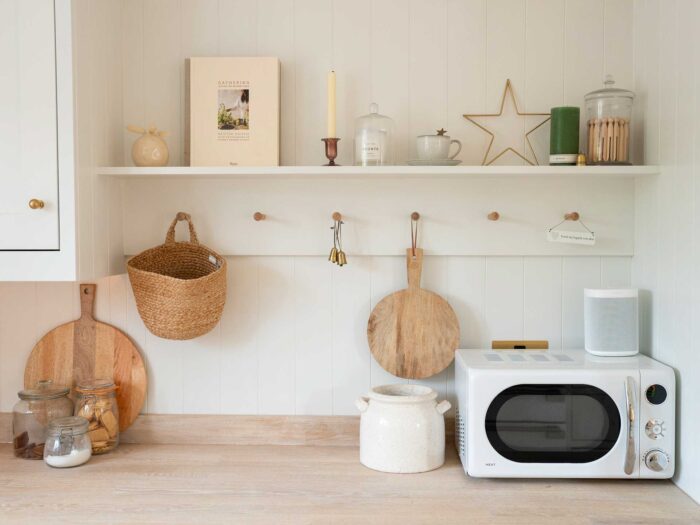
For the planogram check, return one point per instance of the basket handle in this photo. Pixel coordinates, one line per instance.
(181, 216)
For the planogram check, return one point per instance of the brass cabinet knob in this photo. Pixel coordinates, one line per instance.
(36, 204)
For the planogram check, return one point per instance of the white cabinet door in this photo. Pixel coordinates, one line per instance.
(28, 126)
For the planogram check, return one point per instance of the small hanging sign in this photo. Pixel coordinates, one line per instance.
(569, 237)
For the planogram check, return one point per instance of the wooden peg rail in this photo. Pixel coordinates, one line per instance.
(337, 216)
(415, 216)
(572, 216)
(257, 216)
(493, 216)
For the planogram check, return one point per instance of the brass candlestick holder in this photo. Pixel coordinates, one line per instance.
(331, 150)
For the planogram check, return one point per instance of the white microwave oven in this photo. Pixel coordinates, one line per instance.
(564, 414)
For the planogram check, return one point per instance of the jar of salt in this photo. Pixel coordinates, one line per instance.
(68, 443)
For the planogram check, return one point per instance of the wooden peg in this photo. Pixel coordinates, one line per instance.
(493, 216)
(337, 216)
(415, 216)
(259, 216)
(572, 216)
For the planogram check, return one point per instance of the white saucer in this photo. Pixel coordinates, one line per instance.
(446, 162)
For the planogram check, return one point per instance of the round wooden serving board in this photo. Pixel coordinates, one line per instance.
(413, 333)
(86, 349)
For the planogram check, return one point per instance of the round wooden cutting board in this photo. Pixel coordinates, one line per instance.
(87, 349)
(413, 333)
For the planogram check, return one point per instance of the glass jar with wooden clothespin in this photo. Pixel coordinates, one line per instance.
(608, 113)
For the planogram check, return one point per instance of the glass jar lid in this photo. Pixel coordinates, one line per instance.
(96, 386)
(609, 91)
(43, 390)
(68, 426)
(373, 119)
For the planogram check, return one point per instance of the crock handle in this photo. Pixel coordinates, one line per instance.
(443, 406)
(362, 403)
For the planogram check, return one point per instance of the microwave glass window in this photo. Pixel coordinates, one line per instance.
(552, 423)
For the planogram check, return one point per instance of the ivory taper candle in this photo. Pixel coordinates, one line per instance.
(331, 105)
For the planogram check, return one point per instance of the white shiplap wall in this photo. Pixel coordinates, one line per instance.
(425, 62)
(667, 80)
(293, 335)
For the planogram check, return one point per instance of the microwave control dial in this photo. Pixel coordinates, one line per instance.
(655, 428)
(656, 460)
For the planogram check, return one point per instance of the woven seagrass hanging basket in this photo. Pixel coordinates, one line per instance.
(180, 287)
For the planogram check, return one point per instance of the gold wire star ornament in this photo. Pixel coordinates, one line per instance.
(470, 118)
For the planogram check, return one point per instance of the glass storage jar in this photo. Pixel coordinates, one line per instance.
(67, 442)
(374, 134)
(96, 401)
(609, 113)
(31, 415)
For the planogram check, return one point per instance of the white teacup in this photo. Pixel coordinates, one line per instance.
(436, 147)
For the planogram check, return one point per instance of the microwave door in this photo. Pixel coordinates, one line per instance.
(561, 425)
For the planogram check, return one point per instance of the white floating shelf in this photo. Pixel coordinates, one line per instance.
(446, 172)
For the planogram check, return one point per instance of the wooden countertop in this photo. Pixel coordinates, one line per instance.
(302, 484)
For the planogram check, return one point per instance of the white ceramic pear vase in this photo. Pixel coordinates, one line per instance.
(149, 150)
(402, 429)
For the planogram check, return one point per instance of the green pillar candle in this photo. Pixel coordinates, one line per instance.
(563, 138)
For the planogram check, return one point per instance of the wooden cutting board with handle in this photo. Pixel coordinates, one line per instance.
(87, 349)
(413, 333)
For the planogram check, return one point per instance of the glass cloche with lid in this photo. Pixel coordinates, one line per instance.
(609, 114)
(374, 135)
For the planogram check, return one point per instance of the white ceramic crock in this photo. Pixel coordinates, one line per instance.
(402, 429)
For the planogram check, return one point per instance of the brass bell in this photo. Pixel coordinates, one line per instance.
(333, 257)
(342, 259)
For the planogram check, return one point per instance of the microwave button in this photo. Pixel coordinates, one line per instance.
(656, 394)
(656, 460)
(655, 428)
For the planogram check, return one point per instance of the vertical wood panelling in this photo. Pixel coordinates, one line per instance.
(615, 272)
(667, 76)
(237, 27)
(351, 357)
(619, 41)
(239, 335)
(390, 70)
(352, 60)
(292, 338)
(313, 46)
(133, 107)
(276, 359)
(275, 37)
(427, 56)
(313, 324)
(162, 71)
(542, 299)
(18, 334)
(544, 38)
(504, 298)
(505, 59)
(577, 274)
(466, 295)
(583, 51)
(466, 89)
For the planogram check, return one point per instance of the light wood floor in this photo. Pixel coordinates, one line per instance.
(298, 484)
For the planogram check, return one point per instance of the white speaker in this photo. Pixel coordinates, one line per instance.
(611, 321)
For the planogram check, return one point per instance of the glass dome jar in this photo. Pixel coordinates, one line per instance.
(67, 442)
(31, 415)
(374, 135)
(96, 401)
(609, 114)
